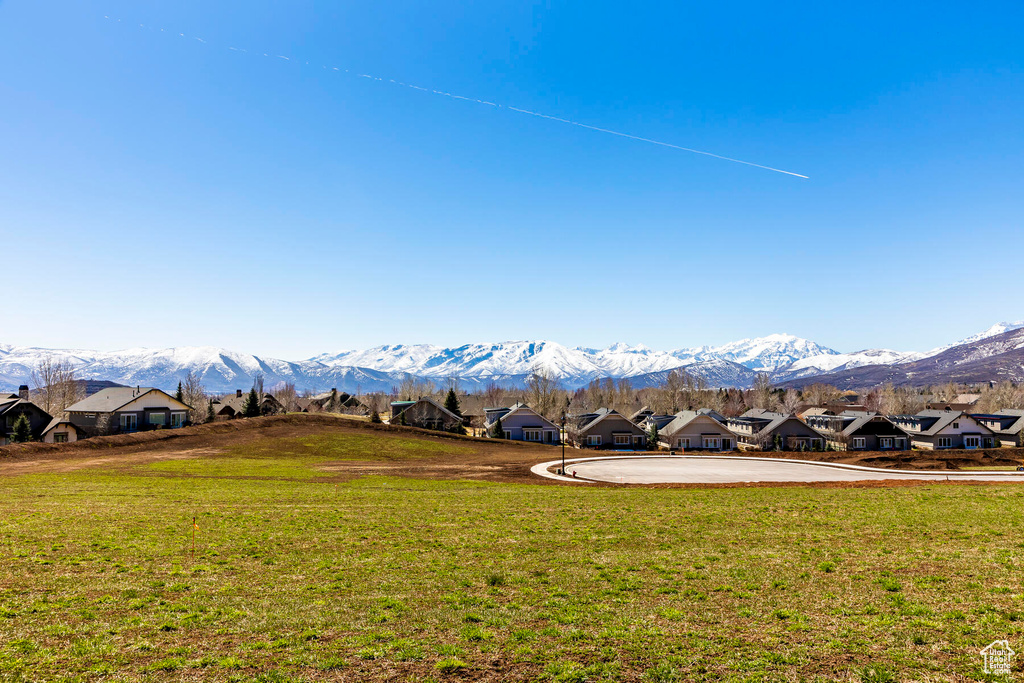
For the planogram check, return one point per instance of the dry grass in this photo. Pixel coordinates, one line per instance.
(305, 572)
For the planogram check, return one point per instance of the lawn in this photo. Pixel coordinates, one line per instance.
(298, 578)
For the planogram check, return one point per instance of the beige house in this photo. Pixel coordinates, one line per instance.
(60, 431)
(120, 410)
(942, 429)
(696, 430)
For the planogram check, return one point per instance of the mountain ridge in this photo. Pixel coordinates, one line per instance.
(785, 357)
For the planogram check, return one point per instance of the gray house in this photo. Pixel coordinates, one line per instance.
(765, 430)
(608, 429)
(941, 429)
(1006, 425)
(120, 410)
(13, 406)
(696, 430)
(857, 431)
(425, 413)
(520, 422)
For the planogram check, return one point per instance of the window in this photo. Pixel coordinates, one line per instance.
(531, 435)
(157, 418)
(711, 443)
(129, 422)
(859, 442)
(593, 439)
(956, 425)
(177, 419)
(684, 443)
(621, 439)
(886, 442)
(945, 442)
(508, 435)
(972, 441)
(60, 437)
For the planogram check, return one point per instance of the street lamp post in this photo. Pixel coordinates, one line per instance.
(563, 444)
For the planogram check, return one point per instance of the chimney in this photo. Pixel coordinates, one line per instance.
(23, 392)
(238, 393)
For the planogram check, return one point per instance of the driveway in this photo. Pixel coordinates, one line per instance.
(709, 469)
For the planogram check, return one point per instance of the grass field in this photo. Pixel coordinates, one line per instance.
(301, 577)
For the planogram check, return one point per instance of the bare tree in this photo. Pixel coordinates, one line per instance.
(56, 386)
(193, 393)
(790, 401)
(542, 393)
(822, 394)
(762, 394)
(413, 388)
(287, 397)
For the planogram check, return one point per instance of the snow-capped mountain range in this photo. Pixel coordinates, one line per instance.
(784, 357)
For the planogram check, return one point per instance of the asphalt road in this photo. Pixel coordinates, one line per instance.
(724, 470)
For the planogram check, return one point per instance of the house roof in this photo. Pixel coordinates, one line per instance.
(113, 398)
(936, 420)
(685, 417)
(431, 402)
(523, 408)
(9, 404)
(770, 420)
(604, 414)
(1013, 418)
(56, 422)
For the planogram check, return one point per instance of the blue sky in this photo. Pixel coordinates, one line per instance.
(156, 190)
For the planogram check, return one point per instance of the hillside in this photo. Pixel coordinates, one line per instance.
(996, 358)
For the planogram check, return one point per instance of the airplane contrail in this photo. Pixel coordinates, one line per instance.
(558, 119)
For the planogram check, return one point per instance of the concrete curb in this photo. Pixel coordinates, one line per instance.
(541, 469)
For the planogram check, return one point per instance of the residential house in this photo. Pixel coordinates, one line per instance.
(608, 429)
(334, 401)
(1006, 425)
(425, 413)
(520, 422)
(13, 406)
(229, 407)
(942, 429)
(767, 430)
(60, 430)
(963, 402)
(697, 430)
(859, 431)
(120, 410)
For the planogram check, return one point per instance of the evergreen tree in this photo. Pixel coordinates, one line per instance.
(209, 412)
(22, 429)
(778, 442)
(251, 407)
(401, 418)
(497, 431)
(451, 403)
(375, 417)
(178, 395)
(652, 437)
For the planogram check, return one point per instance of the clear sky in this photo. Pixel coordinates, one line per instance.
(160, 190)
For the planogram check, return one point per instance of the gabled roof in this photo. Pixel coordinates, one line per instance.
(1013, 418)
(56, 422)
(431, 402)
(12, 404)
(115, 398)
(685, 417)
(936, 420)
(523, 408)
(604, 414)
(770, 420)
